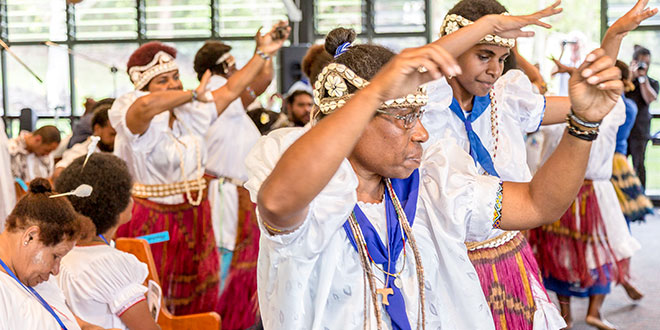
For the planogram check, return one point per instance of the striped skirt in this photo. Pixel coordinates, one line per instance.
(634, 204)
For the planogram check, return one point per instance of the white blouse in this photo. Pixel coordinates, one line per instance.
(101, 282)
(19, 309)
(7, 192)
(229, 141)
(520, 111)
(599, 169)
(312, 278)
(152, 157)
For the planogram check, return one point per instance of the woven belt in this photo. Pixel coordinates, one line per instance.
(493, 242)
(169, 189)
(234, 181)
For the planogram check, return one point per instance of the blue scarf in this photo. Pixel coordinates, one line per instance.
(477, 149)
(407, 191)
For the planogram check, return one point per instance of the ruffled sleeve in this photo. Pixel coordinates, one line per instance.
(117, 116)
(516, 94)
(327, 212)
(197, 115)
(460, 199)
(112, 278)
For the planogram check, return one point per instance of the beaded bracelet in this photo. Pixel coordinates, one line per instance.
(579, 132)
(262, 54)
(582, 122)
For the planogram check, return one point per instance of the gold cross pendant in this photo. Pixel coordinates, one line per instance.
(384, 292)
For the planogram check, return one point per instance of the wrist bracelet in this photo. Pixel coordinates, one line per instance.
(262, 54)
(251, 91)
(579, 132)
(194, 94)
(580, 121)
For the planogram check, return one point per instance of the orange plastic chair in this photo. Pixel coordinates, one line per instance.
(202, 321)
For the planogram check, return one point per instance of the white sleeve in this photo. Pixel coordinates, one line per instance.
(78, 149)
(516, 94)
(115, 279)
(198, 115)
(117, 115)
(463, 200)
(327, 212)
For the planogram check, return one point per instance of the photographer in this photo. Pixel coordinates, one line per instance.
(645, 92)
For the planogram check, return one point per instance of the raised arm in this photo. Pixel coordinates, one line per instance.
(267, 47)
(259, 84)
(631, 20)
(284, 198)
(594, 90)
(146, 107)
(506, 26)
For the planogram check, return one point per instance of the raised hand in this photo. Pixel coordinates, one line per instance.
(633, 18)
(561, 68)
(201, 89)
(411, 68)
(509, 26)
(272, 41)
(595, 87)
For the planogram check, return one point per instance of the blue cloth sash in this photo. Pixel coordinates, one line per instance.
(478, 152)
(407, 191)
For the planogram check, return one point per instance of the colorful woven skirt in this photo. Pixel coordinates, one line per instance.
(238, 304)
(188, 264)
(634, 204)
(505, 265)
(574, 247)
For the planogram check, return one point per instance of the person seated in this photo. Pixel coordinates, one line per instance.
(31, 153)
(102, 285)
(101, 128)
(38, 233)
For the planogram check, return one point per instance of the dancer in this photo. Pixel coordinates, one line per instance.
(160, 134)
(315, 264)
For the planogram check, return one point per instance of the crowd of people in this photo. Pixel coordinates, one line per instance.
(396, 191)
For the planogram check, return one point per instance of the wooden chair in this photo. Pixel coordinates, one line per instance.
(202, 321)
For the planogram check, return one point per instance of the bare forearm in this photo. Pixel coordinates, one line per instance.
(612, 43)
(259, 85)
(237, 83)
(551, 191)
(648, 93)
(556, 109)
(145, 108)
(318, 154)
(460, 41)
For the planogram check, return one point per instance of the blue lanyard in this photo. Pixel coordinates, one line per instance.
(103, 238)
(35, 294)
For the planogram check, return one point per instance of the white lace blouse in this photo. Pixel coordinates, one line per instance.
(312, 278)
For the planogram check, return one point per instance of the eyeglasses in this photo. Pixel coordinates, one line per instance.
(409, 120)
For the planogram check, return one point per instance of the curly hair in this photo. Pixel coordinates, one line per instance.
(207, 56)
(111, 182)
(101, 112)
(475, 9)
(314, 61)
(55, 217)
(145, 53)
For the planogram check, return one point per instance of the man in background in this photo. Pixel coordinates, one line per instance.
(31, 153)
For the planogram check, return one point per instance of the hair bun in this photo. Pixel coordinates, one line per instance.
(337, 37)
(40, 186)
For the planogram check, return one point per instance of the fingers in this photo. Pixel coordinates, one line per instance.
(548, 11)
(612, 73)
(612, 85)
(593, 56)
(600, 64)
(640, 4)
(205, 78)
(443, 60)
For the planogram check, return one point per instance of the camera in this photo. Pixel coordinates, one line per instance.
(279, 33)
(642, 66)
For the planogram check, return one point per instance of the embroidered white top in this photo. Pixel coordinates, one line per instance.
(306, 279)
(152, 157)
(599, 169)
(101, 282)
(7, 193)
(229, 140)
(19, 309)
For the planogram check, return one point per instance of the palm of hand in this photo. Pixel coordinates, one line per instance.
(632, 19)
(588, 102)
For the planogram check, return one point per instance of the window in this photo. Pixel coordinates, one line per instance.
(242, 18)
(330, 14)
(106, 19)
(178, 18)
(36, 20)
(399, 16)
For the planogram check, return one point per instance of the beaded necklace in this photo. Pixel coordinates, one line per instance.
(198, 154)
(494, 122)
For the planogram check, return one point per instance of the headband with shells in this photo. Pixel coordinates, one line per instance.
(333, 80)
(454, 22)
(161, 63)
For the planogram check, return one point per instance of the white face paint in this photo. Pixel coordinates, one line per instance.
(38, 258)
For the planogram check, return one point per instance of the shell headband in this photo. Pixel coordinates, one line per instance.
(161, 63)
(454, 22)
(333, 81)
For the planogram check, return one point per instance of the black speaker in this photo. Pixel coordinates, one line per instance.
(27, 120)
(290, 65)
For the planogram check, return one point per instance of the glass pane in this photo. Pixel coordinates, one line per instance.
(333, 13)
(399, 16)
(178, 18)
(62, 124)
(106, 19)
(93, 76)
(398, 44)
(616, 9)
(244, 17)
(25, 91)
(31, 20)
